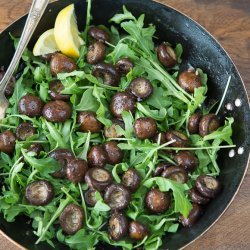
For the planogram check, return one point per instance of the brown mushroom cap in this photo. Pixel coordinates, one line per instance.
(71, 219)
(97, 157)
(189, 80)
(88, 122)
(76, 170)
(96, 52)
(98, 178)
(181, 140)
(166, 55)
(57, 111)
(145, 128)
(175, 173)
(7, 142)
(137, 230)
(114, 154)
(117, 226)
(157, 201)
(208, 124)
(108, 73)
(193, 216)
(124, 65)
(131, 179)
(30, 105)
(24, 131)
(186, 160)
(99, 34)
(122, 101)
(117, 196)
(39, 193)
(193, 123)
(208, 186)
(55, 88)
(60, 63)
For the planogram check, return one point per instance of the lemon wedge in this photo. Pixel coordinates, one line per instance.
(66, 32)
(45, 44)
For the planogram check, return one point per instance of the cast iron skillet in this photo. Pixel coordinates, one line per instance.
(200, 50)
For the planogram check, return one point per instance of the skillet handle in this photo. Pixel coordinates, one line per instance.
(36, 11)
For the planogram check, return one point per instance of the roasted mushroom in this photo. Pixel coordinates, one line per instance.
(36, 148)
(137, 230)
(48, 57)
(124, 66)
(39, 193)
(110, 132)
(98, 178)
(122, 101)
(24, 131)
(99, 34)
(189, 80)
(108, 73)
(90, 197)
(186, 160)
(157, 201)
(193, 123)
(57, 111)
(197, 197)
(9, 90)
(117, 196)
(166, 55)
(145, 128)
(76, 169)
(161, 167)
(208, 124)
(174, 173)
(193, 216)
(71, 219)
(61, 64)
(88, 122)
(7, 142)
(117, 226)
(97, 157)
(160, 136)
(141, 88)
(30, 105)
(55, 88)
(114, 154)
(181, 140)
(96, 52)
(208, 186)
(62, 156)
(131, 179)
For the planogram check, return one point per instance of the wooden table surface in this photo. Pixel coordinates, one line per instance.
(229, 22)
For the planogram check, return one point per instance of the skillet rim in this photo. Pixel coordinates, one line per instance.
(242, 83)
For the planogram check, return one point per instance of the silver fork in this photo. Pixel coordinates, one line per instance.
(36, 11)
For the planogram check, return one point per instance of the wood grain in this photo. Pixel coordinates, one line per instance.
(229, 22)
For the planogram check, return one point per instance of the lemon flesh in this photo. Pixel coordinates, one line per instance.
(46, 44)
(66, 32)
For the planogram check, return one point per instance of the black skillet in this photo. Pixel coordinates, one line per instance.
(200, 50)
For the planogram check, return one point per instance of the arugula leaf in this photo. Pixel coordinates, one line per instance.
(118, 18)
(82, 240)
(55, 135)
(223, 133)
(44, 166)
(158, 115)
(88, 102)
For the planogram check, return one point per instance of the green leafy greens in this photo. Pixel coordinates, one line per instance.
(169, 105)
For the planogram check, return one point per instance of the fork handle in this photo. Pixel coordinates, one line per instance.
(36, 11)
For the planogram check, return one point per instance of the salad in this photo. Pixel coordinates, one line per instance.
(105, 139)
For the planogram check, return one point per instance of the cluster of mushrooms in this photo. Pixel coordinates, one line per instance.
(92, 171)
